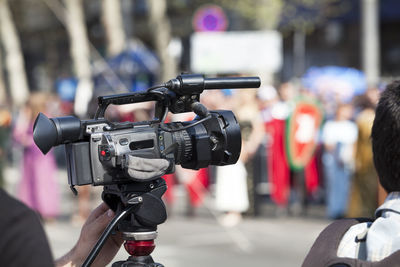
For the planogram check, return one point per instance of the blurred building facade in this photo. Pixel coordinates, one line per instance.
(337, 38)
(331, 33)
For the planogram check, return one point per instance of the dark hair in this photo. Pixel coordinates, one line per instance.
(385, 137)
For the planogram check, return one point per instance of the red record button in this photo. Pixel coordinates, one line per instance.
(104, 153)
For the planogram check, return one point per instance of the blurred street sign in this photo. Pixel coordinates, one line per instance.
(209, 18)
(236, 52)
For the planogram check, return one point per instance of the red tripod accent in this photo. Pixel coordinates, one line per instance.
(139, 248)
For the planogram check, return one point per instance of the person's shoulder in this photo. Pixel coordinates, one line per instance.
(326, 247)
(13, 207)
(20, 227)
(16, 215)
(348, 245)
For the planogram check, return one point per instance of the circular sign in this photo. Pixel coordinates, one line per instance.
(301, 132)
(210, 18)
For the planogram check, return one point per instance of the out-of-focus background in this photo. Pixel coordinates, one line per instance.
(306, 156)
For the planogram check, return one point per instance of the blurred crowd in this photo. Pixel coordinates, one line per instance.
(299, 149)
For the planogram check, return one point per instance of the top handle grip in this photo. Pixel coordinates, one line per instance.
(231, 82)
(123, 99)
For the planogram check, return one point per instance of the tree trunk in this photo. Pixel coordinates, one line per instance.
(3, 92)
(370, 40)
(112, 21)
(127, 17)
(80, 53)
(19, 89)
(161, 32)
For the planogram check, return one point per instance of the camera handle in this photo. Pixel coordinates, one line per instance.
(139, 210)
(129, 98)
(177, 94)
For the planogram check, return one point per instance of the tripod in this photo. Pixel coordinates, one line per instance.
(139, 210)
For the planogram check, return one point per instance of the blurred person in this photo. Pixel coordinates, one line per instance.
(37, 187)
(196, 183)
(267, 96)
(231, 196)
(302, 131)
(5, 122)
(275, 127)
(370, 240)
(235, 183)
(289, 186)
(252, 130)
(364, 189)
(338, 137)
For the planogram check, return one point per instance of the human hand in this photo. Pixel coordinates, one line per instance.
(144, 169)
(90, 233)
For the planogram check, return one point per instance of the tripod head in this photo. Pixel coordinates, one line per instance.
(139, 210)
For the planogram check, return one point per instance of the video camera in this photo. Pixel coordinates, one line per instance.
(213, 138)
(98, 151)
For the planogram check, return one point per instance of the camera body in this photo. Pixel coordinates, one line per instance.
(97, 150)
(216, 141)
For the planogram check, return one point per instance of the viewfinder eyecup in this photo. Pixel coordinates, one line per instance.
(44, 133)
(52, 132)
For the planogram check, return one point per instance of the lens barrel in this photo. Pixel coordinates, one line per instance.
(216, 141)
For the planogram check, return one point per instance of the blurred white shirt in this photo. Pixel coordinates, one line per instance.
(343, 133)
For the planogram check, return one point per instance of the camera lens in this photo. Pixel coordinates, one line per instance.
(228, 140)
(215, 141)
(184, 149)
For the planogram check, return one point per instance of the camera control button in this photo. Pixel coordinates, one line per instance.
(123, 141)
(104, 153)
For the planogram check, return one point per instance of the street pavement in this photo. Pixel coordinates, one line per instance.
(201, 240)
